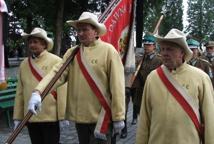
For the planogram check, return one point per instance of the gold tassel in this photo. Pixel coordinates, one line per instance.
(3, 85)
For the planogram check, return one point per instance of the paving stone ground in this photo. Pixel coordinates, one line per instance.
(68, 134)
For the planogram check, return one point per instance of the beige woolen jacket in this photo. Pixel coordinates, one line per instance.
(82, 104)
(163, 121)
(52, 109)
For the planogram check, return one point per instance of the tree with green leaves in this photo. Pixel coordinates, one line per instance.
(51, 15)
(152, 11)
(173, 12)
(201, 19)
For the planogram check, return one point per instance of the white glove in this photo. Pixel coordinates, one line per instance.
(118, 126)
(63, 124)
(16, 123)
(35, 103)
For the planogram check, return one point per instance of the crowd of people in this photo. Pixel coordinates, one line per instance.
(172, 93)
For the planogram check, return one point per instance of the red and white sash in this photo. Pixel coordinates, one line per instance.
(182, 97)
(38, 74)
(98, 88)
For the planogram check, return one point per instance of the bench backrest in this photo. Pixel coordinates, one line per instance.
(7, 96)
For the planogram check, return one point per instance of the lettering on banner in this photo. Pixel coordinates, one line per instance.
(121, 11)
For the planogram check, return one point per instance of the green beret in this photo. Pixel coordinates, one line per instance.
(149, 39)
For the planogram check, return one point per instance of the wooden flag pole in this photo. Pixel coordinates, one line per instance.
(157, 25)
(141, 62)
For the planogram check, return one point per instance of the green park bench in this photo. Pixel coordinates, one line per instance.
(7, 97)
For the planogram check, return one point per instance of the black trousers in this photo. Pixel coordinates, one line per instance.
(136, 111)
(86, 134)
(129, 95)
(136, 108)
(44, 132)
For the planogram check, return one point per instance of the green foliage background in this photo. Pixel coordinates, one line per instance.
(26, 14)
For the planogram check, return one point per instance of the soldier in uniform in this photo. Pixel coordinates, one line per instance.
(196, 60)
(209, 55)
(150, 61)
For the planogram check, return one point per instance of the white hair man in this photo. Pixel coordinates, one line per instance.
(178, 102)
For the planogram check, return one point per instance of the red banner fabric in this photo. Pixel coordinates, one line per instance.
(118, 24)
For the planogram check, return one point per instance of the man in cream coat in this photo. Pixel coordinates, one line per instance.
(179, 115)
(96, 86)
(44, 127)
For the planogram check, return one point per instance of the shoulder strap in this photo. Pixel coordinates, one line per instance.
(96, 86)
(37, 73)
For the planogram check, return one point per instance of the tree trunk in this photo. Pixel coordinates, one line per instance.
(139, 23)
(28, 30)
(59, 27)
(5, 37)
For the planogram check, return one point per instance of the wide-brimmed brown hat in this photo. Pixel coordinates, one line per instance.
(179, 38)
(39, 32)
(90, 18)
(209, 44)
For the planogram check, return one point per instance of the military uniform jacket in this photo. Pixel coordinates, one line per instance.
(150, 62)
(211, 61)
(52, 109)
(203, 65)
(82, 104)
(163, 121)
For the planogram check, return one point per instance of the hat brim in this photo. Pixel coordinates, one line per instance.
(193, 47)
(148, 42)
(179, 41)
(38, 34)
(101, 27)
(209, 45)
